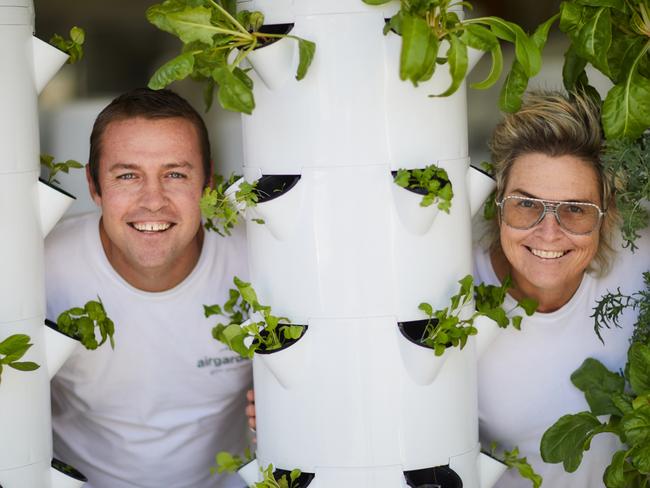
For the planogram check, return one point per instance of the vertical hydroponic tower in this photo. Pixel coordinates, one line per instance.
(28, 210)
(351, 255)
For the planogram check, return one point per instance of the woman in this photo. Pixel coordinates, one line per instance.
(556, 237)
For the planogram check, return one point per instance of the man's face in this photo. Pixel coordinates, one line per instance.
(151, 179)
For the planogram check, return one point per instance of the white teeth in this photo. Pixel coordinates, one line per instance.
(151, 226)
(547, 254)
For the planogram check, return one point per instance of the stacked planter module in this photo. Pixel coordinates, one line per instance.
(28, 210)
(346, 252)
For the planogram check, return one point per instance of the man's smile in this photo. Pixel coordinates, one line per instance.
(151, 226)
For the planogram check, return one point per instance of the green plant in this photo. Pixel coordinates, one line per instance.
(614, 37)
(445, 327)
(626, 399)
(221, 212)
(251, 326)
(513, 461)
(432, 180)
(213, 33)
(230, 463)
(628, 162)
(80, 323)
(428, 25)
(14, 348)
(47, 161)
(73, 47)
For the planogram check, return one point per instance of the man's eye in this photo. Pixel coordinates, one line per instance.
(126, 176)
(176, 174)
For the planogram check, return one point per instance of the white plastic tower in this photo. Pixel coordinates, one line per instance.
(28, 210)
(350, 254)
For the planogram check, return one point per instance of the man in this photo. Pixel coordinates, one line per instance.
(154, 411)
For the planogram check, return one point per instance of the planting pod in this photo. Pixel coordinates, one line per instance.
(48, 60)
(53, 203)
(58, 346)
(415, 218)
(420, 361)
(488, 330)
(480, 185)
(282, 362)
(490, 470)
(276, 63)
(65, 476)
(250, 472)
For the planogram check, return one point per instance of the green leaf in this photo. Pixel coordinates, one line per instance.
(617, 4)
(573, 68)
(636, 426)
(639, 368)
(513, 89)
(307, 49)
(18, 353)
(572, 18)
(376, 2)
(495, 70)
(626, 110)
(614, 476)
(13, 343)
(620, 57)
(521, 464)
(594, 39)
(233, 94)
(479, 37)
(593, 374)
(457, 61)
(26, 366)
(419, 49)
(529, 305)
(566, 439)
(178, 68)
(210, 310)
(641, 459)
(189, 24)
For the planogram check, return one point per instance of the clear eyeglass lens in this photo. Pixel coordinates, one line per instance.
(523, 213)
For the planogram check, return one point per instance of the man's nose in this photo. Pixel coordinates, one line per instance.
(153, 196)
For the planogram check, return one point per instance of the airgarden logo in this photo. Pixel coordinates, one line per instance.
(220, 362)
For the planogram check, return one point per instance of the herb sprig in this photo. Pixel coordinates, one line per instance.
(251, 325)
(73, 47)
(513, 460)
(47, 161)
(229, 463)
(433, 180)
(626, 399)
(213, 33)
(220, 212)
(12, 349)
(80, 323)
(446, 328)
(426, 26)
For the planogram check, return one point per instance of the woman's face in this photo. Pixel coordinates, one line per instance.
(546, 259)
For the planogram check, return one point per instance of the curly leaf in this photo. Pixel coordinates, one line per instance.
(189, 24)
(178, 68)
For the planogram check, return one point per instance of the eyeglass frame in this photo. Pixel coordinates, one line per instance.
(550, 206)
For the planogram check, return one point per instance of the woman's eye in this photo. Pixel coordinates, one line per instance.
(526, 203)
(575, 209)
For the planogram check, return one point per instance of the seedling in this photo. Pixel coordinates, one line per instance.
(251, 326)
(514, 461)
(428, 25)
(213, 33)
(80, 323)
(220, 211)
(432, 181)
(626, 399)
(14, 348)
(229, 463)
(73, 47)
(47, 161)
(445, 327)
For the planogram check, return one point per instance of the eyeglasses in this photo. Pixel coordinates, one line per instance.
(523, 213)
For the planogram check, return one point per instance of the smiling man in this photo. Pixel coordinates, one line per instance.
(151, 412)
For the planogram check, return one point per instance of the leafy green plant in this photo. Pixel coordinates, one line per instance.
(220, 211)
(80, 323)
(229, 463)
(73, 47)
(431, 180)
(47, 161)
(427, 26)
(14, 348)
(614, 37)
(628, 162)
(213, 33)
(626, 399)
(251, 326)
(445, 327)
(514, 461)
(611, 306)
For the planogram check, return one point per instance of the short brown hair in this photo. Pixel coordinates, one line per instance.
(148, 104)
(556, 124)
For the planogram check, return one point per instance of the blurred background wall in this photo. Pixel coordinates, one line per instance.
(122, 50)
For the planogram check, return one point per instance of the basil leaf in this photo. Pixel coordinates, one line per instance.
(13, 343)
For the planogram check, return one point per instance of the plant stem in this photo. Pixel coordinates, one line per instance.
(229, 17)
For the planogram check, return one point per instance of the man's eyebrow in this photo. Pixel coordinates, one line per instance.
(530, 195)
(131, 166)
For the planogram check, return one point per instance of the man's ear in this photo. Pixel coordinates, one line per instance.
(94, 194)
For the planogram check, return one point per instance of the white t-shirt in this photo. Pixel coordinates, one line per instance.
(524, 376)
(155, 411)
